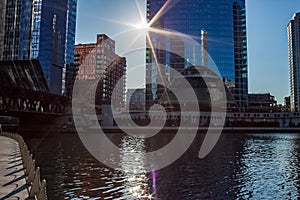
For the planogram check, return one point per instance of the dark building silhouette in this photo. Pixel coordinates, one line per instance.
(262, 103)
(201, 79)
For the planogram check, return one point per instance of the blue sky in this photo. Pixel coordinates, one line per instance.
(267, 38)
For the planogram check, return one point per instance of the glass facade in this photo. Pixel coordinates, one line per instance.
(43, 30)
(25, 31)
(12, 30)
(224, 23)
(36, 28)
(2, 26)
(70, 39)
(294, 58)
(56, 34)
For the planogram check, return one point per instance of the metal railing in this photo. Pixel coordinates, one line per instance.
(37, 189)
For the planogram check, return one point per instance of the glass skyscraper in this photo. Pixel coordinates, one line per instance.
(221, 23)
(43, 30)
(294, 57)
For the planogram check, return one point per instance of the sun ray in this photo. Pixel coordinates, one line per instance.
(141, 13)
(162, 11)
(152, 50)
(168, 32)
(174, 33)
(118, 22)
(139, 24)
(157, 64)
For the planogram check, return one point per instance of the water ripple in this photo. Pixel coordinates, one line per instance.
(248, 166)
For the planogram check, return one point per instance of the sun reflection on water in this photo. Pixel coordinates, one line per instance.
(137, 183)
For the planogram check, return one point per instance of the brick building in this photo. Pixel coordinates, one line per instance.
(99, 61)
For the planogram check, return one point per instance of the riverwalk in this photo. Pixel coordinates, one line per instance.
(12, 173)
(19, 177)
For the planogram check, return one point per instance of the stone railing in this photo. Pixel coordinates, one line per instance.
(37, 189)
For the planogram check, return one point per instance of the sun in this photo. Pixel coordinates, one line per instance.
(143, 25)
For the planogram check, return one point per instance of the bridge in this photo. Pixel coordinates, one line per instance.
(24, 93)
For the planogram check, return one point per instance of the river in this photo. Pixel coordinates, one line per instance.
(241, 166)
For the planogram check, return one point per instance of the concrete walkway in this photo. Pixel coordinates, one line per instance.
(12, 173)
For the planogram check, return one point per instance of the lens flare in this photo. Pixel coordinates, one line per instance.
(143, 25)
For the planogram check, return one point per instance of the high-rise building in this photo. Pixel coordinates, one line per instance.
(94, 58)
(99, 61)
(114, 83)
(85, 59)
(219, 25)
(294, 57)
(2, 25)
(43, 30)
